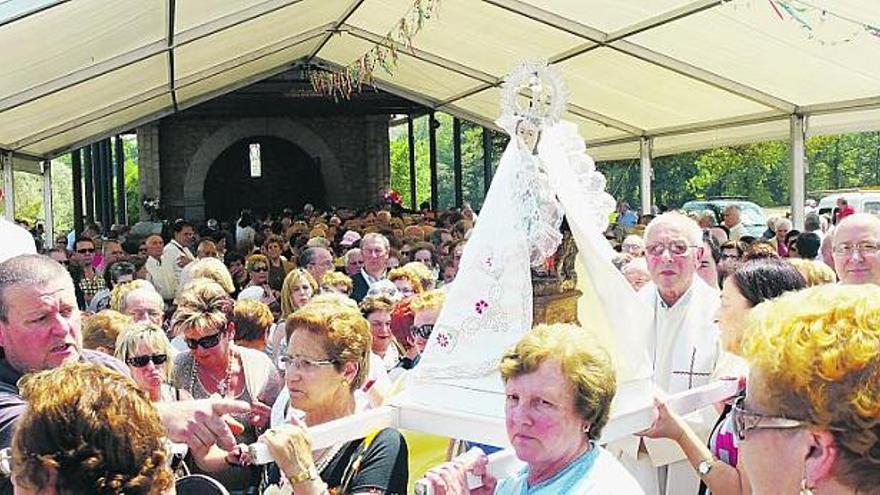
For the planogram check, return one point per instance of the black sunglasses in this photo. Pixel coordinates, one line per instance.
(84, 251)
(423, 331)
(259, 269)
(141, 361)
(205, 342)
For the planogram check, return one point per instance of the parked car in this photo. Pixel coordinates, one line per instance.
(862, 202)
(752, 216)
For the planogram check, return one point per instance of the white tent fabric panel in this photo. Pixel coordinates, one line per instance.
(473, 34)
(621, 151)
(66, 106)
(94, 130)
(688, 73)
(645, 95)
(254, 34)
(74, 36)
(752, 45)
(233, 75)
(836, 123)
(608, 15)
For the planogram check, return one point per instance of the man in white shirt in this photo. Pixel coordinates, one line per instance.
(375, 249)
(15, 240)
(733, 221)
(158, 274)
(683, 345)
(176, 253)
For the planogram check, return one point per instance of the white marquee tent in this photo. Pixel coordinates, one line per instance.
(648, 77)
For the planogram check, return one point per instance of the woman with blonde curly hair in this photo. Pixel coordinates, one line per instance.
(215, 365)
(559, 383)
(810, 418)
(88, 430)
(406, 280)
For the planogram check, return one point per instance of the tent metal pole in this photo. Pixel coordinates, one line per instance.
(798, 170)
(89, 178)
(76, 175)
(47, 203)
(487, 159)
(120, 181)
(646, 143)
(97, 173)
(456, 161)
(8, 186)
(433, 124)
(109, 206)
(411, 142)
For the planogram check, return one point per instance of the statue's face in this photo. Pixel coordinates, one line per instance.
(528, 134)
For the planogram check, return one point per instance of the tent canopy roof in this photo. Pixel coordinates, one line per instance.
(691, 74)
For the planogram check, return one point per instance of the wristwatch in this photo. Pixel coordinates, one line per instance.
(309, 474)
(705, 466)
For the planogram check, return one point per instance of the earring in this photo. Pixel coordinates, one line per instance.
(586, 429)
(805, 490)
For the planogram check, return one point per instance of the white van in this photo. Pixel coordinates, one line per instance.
(861, 201)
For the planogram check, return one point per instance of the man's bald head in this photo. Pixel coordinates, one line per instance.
(855, 244)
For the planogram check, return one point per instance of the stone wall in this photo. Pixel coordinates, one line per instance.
(149, 176)
(353, 152)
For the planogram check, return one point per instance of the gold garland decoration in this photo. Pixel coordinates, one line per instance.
(353, 77)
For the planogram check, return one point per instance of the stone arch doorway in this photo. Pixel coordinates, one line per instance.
(290, 178)
(208, 151)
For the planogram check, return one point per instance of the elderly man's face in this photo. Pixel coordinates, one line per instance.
(144, 307)
(856, 260)
(42, 327)
(320, 264)
(731, 217)
(155, 245)
(375, 255)
(672, 259)
(113, 252)
(185, 236)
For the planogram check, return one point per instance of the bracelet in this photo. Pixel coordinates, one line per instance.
(309, 474)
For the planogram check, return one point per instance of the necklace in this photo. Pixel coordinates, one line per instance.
(222, 385)
(324, 458)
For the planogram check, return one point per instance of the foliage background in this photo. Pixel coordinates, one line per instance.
(758, 172)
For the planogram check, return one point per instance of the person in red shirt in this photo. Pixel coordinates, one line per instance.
(844, 209)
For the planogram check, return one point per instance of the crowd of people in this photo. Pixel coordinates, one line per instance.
(135, 358)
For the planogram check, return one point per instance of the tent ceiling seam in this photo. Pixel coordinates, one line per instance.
(423, 55)
(664, 61)
(341, 20)
(88, 118)
(23, 15)
(138, 54)
(83, 75)
(170, 38)
(115, 130)
(253, 56)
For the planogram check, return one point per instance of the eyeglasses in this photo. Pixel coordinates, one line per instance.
(259, 269)
(204, 342)
(423, 331)
(304, 363)
(864, 248)
(744, 421)
(674, 248)
(84, 251)
(325, 264)
(141, 361)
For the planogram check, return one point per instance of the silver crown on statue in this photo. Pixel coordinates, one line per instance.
(534, 91)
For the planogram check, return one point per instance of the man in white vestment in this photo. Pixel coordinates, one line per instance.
(683, 344)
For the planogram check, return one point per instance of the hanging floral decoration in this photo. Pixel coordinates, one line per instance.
(384, 54)
(819, 23)
(392, 198)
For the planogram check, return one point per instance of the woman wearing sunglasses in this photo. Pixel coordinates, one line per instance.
(810, 419)
(717, 463)
(214, 365)
(148, 354)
